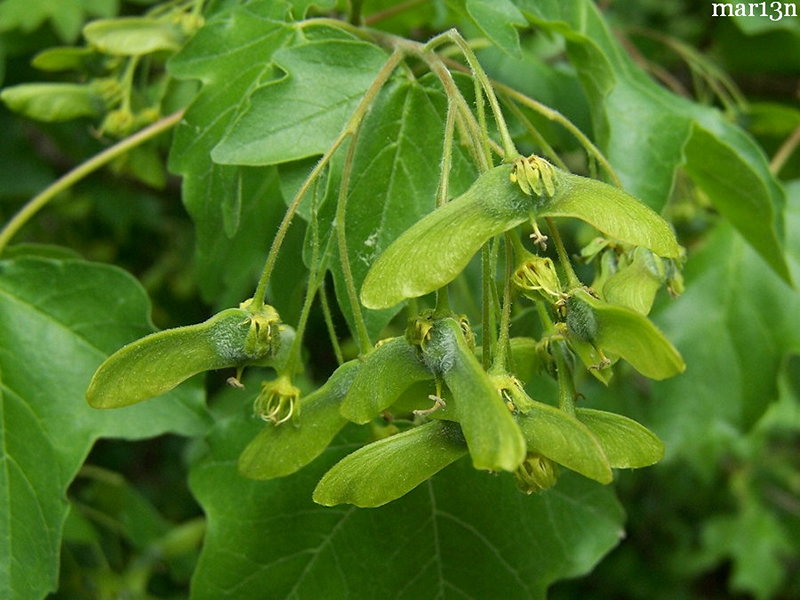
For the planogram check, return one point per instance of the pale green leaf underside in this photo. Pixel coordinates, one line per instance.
(626, 443)
(58, 321)
(390, 468)
(281, 450)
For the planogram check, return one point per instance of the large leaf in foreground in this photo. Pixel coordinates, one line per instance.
(58, 321)
(439, 540)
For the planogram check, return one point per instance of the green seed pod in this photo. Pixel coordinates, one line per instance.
(280, 451)
(385, 373)
(581, 320)
(53, 101)
(133, 36)
(432, 253)
(64, 58)
(626, 443)
(622, 332)
(552, 433)
(158, 362)
(494, 439)
(390, 468)
(612, 211)
(536, 474)
(637, 281)
(436, 249)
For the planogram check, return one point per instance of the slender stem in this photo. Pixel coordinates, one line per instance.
(554, 115)
(452, 91)
(261, 290)
(315, 276)
(566, 385)
(785, 151)
(366, 100)
(362, 336)
(487, 344)
(503, 343)
(328, 317)
(538, 138)
(392, 11)
(447, 155)
(509, 149)
(355, 11)
(72, 177)
(563, 257)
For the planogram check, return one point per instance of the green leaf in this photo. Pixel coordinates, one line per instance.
(625, 333)
(742, 192)
(230, 54)
(390, 468)
(65, 17)
(494, 439)
(631, 111)
(756, 543)
(396, 172)
(612, 211)
(499, 20)
(278, 451)
(58, 321)
(133, 36)
(562, 438)
(53, 101)
(385, 373)
(738, 320)
(436, 249)
(301, 7)
(626, 443)
(520, 546)
(301, 113)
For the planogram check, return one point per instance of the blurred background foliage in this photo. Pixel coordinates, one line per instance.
(719, 518)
